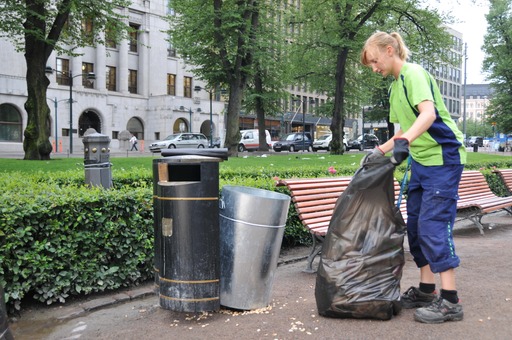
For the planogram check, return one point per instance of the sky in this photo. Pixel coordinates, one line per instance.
(473, 25)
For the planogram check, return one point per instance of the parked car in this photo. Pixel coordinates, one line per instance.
(250, 140)
(324, 143)
(294, 142)
(370, 141)
(180, 140)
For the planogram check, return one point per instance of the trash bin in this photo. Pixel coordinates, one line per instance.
(187, 230)
(5, 332)
(252, 225)
(97, 160)
(475, 147)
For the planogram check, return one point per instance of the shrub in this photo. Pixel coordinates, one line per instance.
(66, 240)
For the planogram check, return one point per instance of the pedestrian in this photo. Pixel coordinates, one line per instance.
(438, 154)
(133, 141)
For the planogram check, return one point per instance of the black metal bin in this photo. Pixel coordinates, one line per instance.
(186, 224)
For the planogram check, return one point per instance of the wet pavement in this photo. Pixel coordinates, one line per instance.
(484, 284)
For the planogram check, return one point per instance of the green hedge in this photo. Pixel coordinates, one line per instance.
(59, 241)
(60, 238)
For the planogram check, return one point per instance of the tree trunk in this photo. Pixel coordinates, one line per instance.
(36, 143)
(260, 113)
(338, 121)
(236, 90)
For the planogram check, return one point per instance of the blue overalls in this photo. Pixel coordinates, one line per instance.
(431, 210)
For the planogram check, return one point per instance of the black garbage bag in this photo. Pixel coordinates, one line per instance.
(362, 255)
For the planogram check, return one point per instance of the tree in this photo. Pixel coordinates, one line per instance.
(267, 88)
(39, 27)
(219, 38)
(474, 127)
(332, 35)
(497, 60)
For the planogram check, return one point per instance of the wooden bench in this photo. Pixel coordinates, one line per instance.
(506, 176)
(476, 198)
(314, 200)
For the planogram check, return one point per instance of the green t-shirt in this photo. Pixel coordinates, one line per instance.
(442, 143)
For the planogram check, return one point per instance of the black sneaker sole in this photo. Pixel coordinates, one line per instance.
(449, 317)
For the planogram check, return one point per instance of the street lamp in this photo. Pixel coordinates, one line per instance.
(198, 88)
(55, 102)
(182, 108)
(70, 76)
(368, 109)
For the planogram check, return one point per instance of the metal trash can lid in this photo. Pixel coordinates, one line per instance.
(95, 137)
(221, 153)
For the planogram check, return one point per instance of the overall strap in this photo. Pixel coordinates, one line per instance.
(404, 182)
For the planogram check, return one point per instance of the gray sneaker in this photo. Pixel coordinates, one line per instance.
(439, 311)
(414, 298)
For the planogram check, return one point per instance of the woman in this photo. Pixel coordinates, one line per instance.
(438, 155)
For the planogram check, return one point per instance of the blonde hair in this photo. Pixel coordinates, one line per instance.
(381, 40)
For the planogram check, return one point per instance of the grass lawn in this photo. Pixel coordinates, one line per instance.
(275, 161)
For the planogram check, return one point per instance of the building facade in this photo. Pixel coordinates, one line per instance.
(140, 87)
(477, 100)
(450, 77)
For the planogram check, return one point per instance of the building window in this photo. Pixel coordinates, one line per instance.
(111, 82)
(187, 87)
(62, 67)
(134, 37)
(88, 30)
(86, 69)
(109, 39)
(171, 84)
(132, 81)
(171, 51)
(10, 124)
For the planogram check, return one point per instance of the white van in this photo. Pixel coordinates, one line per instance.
(250, 140)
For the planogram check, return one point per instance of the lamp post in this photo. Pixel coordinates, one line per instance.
(55, 102)
(182, 108)
(368, 108)
(70, 76)
(464, 92)
(198, 88)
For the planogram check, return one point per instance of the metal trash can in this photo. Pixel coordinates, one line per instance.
(5, 332)
(475, 147)
(186, 224)
(97, 160)
(252, 225)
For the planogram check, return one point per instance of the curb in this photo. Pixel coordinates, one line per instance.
(81, 309)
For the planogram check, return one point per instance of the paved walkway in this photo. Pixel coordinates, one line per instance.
(483, 282)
